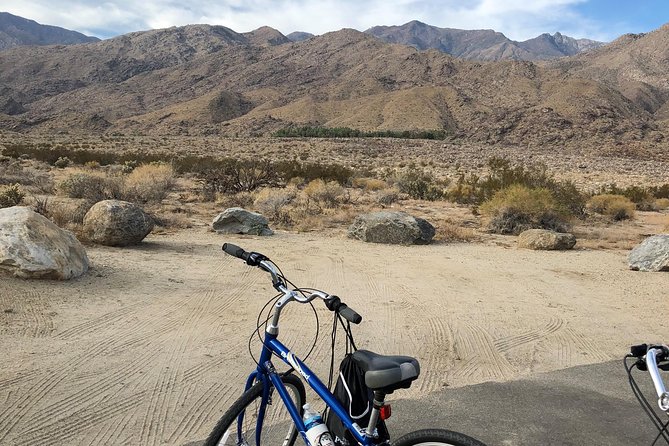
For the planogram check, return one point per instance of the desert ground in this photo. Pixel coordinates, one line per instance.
(150, 347)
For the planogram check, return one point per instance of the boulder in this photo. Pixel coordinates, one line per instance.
(32, 247)
(241, 221)
(651, 255)
(545, 239)
(397, 228)
(116, 223)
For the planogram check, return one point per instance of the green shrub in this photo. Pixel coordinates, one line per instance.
(617, 207)
(476, 190)
(347, 132)
(11, 195)
(517, 208)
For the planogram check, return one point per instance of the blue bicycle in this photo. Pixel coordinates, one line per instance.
(258, 415)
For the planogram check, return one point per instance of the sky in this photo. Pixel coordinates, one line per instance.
(602, 20)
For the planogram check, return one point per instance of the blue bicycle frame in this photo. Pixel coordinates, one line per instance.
(266, 374)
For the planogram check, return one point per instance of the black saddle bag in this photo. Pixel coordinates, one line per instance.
(356, 399)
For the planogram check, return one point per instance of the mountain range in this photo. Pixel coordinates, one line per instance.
(16, 31)
(203, 80)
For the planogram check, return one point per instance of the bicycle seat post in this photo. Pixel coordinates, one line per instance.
(379, 398)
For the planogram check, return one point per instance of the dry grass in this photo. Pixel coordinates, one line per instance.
(149, 183)
(616, 207)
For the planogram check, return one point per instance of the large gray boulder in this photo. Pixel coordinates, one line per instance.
(32, 247)
(651, 255)
(397, 228)
(241, 221)
(546, 240)
(116, 223)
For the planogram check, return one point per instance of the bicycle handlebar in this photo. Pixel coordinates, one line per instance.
(333, 303)
(650, 359)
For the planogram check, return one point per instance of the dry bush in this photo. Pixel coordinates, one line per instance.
(273, 203)
(35, 177)
(324, 195)
(517, 208)
(662, 203)
(388, 196)
(11, 195)
(370, 184)
(237, 200)
(66, 213)
(149, 183)
(452, 232)
(91, 186)
(616, 207)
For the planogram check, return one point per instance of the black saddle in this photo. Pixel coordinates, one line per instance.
(387, 373)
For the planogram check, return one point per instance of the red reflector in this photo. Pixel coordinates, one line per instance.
(385, 412)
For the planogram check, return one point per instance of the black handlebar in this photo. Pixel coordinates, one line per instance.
(334, 303)
(251, 258)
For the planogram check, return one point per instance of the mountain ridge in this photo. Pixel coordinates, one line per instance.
(17, 31)
(208, 80)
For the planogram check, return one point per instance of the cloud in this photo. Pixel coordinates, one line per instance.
(518, 19)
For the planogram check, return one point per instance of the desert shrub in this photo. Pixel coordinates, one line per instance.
(11, 195)
(62, 162)
(93, 187)
(662, 203)
(66, 214)
(324, 194)
(369, 184)
(419, 184)
(272, 203)
(239, 199)
(388, 196)
(233, 176)
(149, 183)
(12, 172)
(502, 174)
(617, 207)
(93, 165)
(346, 132)
(518, 208)
(313, 171)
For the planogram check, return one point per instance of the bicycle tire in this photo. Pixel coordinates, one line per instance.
(226, 428)
(436, 437)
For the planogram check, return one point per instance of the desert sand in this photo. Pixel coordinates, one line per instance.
(150, 347)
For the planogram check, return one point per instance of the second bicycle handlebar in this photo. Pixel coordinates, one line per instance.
(333, 303)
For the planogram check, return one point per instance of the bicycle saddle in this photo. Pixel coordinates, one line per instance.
(387, 373)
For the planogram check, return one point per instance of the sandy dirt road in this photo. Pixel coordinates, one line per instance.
(150, 347)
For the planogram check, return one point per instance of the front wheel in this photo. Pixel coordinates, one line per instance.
(436, 437)
(238, 425)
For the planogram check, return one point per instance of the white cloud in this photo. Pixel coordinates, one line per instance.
(518, 19)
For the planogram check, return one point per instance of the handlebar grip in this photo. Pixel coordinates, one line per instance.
(235, 251)
(349, 314)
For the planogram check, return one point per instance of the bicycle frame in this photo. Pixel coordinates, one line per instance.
(266, 374)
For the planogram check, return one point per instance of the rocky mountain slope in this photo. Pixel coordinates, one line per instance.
(16, 31)
(203, 79)
(485, 45)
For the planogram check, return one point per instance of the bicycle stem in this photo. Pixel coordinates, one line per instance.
(663, 396)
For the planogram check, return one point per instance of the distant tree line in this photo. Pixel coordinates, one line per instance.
(347, 132)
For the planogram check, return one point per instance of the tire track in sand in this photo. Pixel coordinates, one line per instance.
(507, 343)
(480, 358)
